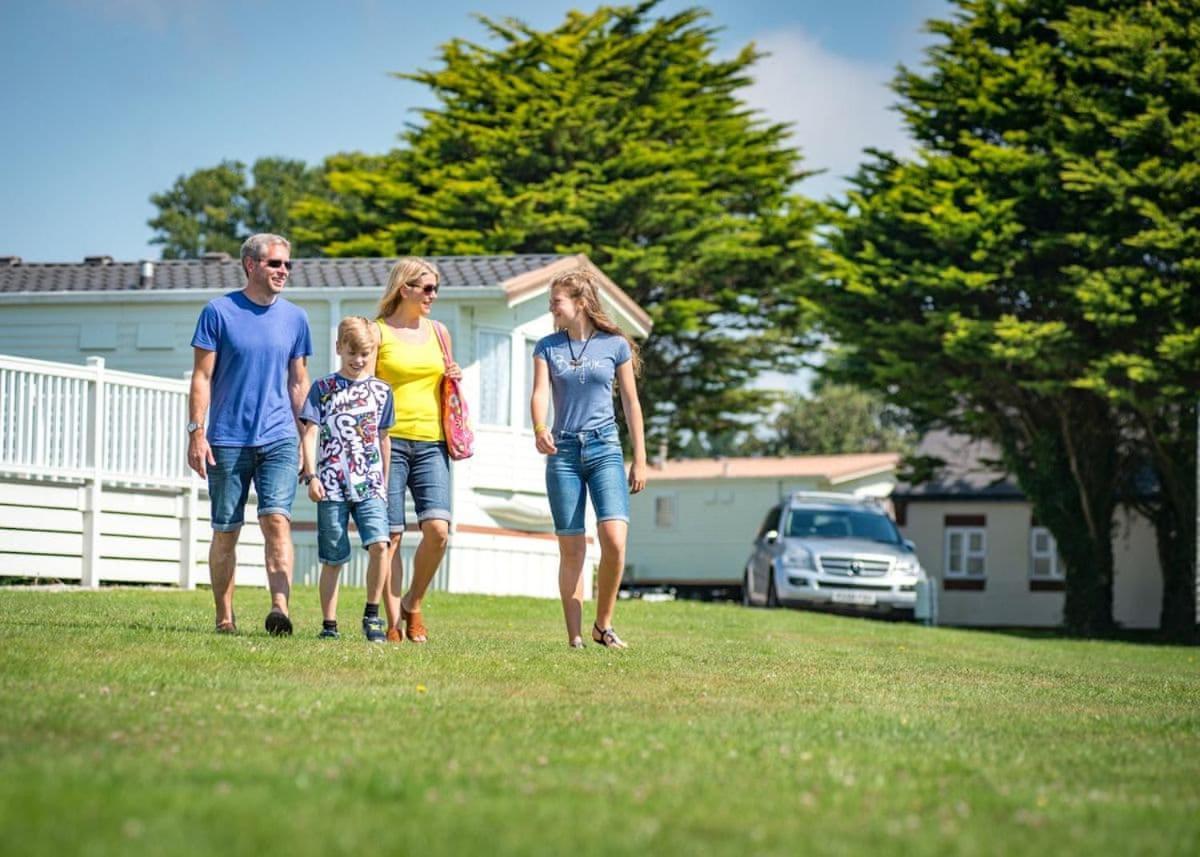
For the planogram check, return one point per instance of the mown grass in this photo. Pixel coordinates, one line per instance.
(130, 728)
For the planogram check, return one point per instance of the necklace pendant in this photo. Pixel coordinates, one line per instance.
(575, 363)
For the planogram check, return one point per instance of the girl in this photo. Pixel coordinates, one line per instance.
(410, 361)
(577, 364)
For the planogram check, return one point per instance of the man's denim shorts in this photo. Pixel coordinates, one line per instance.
(333, 533)
(272, 468)
(423, 466)
(588, 462)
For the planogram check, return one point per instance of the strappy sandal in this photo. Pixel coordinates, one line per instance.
(576, 643)
(607, 637)
(395, 635)
(229, 626)
(414, 628)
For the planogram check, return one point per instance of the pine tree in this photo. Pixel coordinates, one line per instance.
(619, 135)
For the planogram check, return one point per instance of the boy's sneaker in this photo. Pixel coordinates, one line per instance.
(373, 628)
(329, 634)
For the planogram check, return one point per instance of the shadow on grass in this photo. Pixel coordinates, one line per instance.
(1136, 636)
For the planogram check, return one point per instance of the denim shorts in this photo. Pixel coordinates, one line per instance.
(423, 466)
(588, 462)
(273, 469)
(333, 533)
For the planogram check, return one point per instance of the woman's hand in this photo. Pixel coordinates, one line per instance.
(545, 442)
(637, 477)
(453, 371)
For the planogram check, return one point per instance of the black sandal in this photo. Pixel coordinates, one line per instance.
(277, 624)
(607, 637)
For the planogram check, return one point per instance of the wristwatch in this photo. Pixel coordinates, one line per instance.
(191, 427)
(305, 478)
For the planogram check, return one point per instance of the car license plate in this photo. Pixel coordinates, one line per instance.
(865, 599)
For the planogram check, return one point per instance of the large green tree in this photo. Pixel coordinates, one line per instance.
(621, 135)
(214, 209)
(1029, 275)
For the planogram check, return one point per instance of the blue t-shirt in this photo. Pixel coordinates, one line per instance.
(581, 378)
(352, 415)
(254, 345)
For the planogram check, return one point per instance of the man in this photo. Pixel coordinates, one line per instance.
(250, 378)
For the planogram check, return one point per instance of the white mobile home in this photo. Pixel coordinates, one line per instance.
(693, 525)
(139, 317)
(996, 565)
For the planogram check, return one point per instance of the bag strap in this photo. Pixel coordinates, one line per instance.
(440, 331)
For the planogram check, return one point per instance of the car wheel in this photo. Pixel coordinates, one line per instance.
(772, 595)
(746, 602)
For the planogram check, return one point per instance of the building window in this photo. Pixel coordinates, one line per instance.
(664, 512)
(495, 378)
(1044, 563)
(966, 552)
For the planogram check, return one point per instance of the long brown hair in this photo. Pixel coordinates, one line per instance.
(406, 272)
(580, 284)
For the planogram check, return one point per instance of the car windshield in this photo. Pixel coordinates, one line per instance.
(841, 524)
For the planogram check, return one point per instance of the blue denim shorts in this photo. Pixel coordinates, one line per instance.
(586, 463)
(422, 466)
(333, 532)
(273, 469)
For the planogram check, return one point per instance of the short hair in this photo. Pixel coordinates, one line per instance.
(357, 333)
(256, 246)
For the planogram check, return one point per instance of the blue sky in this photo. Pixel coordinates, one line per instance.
(109, 101)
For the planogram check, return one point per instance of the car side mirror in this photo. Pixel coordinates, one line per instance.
(771, 537)
(911, 545)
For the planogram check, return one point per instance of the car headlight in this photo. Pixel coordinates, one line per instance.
(798, 558)
(909, 566)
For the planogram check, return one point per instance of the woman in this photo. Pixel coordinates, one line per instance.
(578, 364)
(410, 361)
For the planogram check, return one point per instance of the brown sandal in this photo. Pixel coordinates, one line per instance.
(414, 628)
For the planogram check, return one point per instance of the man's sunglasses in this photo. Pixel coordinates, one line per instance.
(429, 290)
(278, 263)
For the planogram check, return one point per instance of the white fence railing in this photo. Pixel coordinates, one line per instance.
(90, 425)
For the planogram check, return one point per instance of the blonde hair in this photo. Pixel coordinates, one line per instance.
(406, 272)
(357, 333)
(580, 284)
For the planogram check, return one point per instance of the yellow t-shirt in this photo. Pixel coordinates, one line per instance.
(414, 372)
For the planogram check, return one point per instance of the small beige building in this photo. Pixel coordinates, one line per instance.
(694, 524)
(995, 565)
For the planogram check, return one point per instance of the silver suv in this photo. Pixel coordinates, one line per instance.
(831, 549)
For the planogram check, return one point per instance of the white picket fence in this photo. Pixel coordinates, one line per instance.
(94, 483)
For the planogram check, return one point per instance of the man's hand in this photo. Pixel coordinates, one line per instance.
(199, 455)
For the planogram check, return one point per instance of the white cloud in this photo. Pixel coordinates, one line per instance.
(836, 106)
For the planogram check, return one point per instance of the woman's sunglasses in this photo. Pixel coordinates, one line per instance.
(429, 290)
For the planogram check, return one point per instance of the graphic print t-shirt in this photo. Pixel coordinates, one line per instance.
(582, 393)
(351, 415)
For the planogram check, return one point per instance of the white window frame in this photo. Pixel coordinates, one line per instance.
(480, 333)
(1057, 572)
(673, 498)
(965, 534)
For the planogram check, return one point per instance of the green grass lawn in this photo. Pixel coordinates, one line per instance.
(129, 727)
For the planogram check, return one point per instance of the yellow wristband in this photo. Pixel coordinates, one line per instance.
(540, 427)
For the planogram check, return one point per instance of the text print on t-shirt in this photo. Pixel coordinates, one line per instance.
(563, 366)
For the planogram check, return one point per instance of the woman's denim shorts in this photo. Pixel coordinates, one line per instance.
(423, 466)
(587, 462)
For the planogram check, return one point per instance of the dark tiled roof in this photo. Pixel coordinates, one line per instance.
(226, 275)
(970, 471)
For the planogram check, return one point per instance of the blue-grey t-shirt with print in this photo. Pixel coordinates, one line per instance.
(581, 378)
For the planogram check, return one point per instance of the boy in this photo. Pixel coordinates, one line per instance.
(351, 411)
